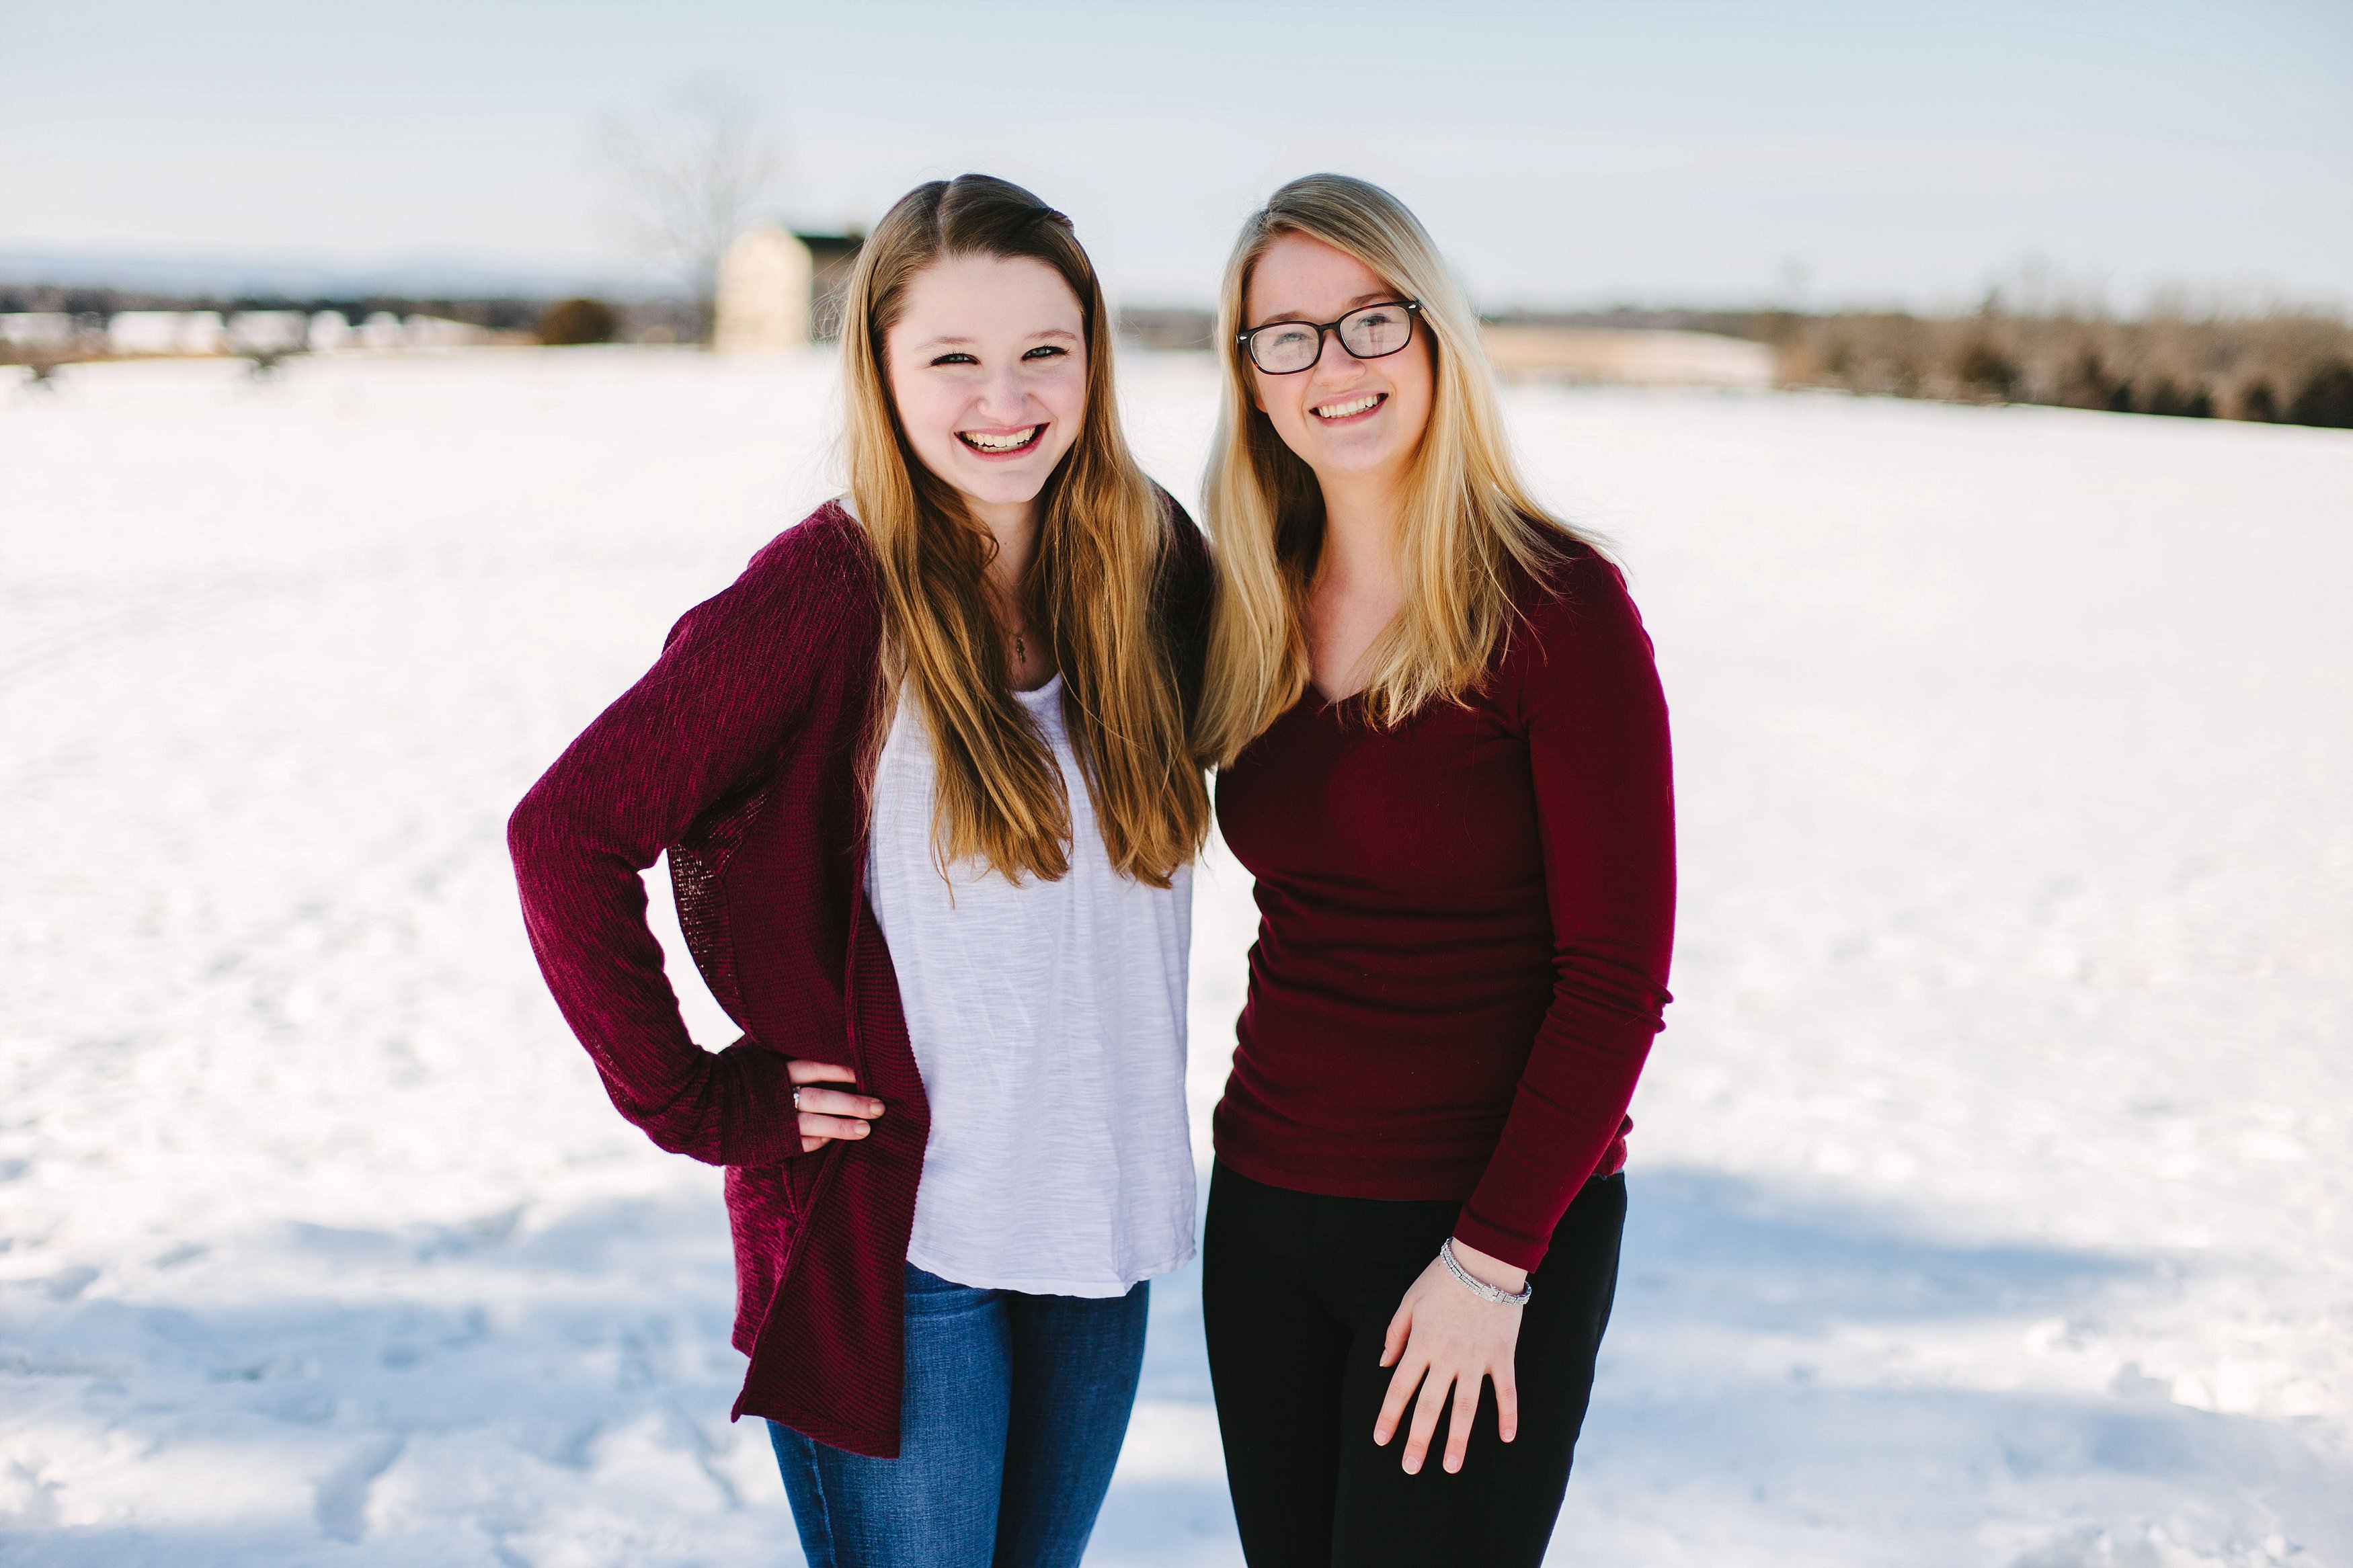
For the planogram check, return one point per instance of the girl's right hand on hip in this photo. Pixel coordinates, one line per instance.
(827, 1114)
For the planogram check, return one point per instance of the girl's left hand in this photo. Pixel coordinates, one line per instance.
(1444, 1337)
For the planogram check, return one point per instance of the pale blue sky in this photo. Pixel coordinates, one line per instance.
(1692, 151)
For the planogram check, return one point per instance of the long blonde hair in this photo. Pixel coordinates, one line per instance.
(1468, 517)
(1102, 535)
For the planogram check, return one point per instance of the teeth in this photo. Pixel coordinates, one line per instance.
(1354, 405)
(1002, 443)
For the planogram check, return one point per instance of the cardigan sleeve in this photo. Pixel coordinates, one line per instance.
(703, 726)
(1596, 724)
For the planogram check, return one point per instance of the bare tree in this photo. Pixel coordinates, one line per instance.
(692, 169)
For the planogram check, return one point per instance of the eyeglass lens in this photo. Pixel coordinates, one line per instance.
(1375, 329)
(1368, 333)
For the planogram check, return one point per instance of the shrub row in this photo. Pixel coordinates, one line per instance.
(2286, 367)
(578, 320)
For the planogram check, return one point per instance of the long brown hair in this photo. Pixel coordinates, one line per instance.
(1101, 533)
(1468, 518)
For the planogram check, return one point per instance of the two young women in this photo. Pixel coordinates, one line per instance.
(929, 777)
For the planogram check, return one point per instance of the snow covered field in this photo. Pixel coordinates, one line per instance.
(1991, 1202)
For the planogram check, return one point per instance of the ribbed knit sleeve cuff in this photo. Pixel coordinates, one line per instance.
(1519, 1250)
(762, 1127)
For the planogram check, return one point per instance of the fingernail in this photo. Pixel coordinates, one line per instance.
(861, 1129)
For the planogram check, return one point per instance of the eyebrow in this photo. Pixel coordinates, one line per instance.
(1377, 297)
(950, 340)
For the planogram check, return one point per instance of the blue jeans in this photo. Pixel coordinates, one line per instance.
(1014, 1411)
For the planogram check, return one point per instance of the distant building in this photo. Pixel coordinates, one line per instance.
(440, 333)
(780, 291)
(165, 332)
(203, 333)
(142, 332)
(264, 335)
(268, 332)
(38, 330)
(763, 293)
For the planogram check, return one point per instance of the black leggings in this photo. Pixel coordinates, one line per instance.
(1297, 1292)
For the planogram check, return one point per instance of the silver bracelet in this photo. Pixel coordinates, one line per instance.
(1480, 1287)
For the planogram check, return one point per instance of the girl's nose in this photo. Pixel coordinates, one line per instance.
(1002, 397)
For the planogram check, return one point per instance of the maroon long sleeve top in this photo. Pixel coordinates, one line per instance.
(1464, 927)
(739, 753)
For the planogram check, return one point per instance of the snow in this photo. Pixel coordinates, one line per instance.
(1991, 1203)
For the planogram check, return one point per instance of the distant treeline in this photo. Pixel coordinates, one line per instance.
(2287, 367)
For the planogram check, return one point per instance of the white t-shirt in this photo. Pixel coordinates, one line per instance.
(1048, 1023)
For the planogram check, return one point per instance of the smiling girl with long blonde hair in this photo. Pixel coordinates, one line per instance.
(1444, 756)
(922, 778)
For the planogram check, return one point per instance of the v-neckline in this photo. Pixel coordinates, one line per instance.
(1326, 705)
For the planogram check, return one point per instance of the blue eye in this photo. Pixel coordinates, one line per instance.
(959, 357)
(1046, 349)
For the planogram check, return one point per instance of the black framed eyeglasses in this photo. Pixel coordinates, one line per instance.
(1369, 332)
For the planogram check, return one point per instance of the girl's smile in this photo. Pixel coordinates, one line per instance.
(1002, 443)
(1348, 411)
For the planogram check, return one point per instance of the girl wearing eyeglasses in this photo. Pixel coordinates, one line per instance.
(923, 780)
(1444, 756)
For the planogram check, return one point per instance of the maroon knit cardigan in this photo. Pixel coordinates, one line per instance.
(740, 755)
